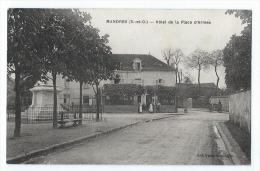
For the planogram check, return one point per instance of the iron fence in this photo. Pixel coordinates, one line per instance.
(33, 115)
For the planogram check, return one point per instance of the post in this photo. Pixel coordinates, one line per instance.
(54, 100)
(176, 99)
(80, 102)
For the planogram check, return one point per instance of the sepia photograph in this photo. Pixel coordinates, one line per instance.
(95, 86)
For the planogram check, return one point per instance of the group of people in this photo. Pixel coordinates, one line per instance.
(150, 107)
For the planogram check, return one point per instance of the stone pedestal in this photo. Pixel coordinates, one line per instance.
(42, 102)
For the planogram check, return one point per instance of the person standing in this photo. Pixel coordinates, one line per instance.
(140, 108)
(158, 107)
(151, 108)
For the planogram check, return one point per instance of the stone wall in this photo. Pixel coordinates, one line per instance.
(167, 109)
(240, 109)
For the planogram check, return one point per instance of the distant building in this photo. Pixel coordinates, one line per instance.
(199, 99)
(140, 79)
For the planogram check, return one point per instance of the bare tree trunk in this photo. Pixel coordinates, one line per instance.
(168, 62)
(98, 102)
(176, 75)
(54, 77)
(217, 78)
(80, 101)
(17, 129)
(199, 80)
(176, 98)
(217, 75)
(179, 76)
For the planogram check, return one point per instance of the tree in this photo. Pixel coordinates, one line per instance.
(102, 66)
(237, 54)
(216, 59)
(167, 55)
(174, 57)
(177, 57)
(187, 79)
(57, 33)
(23, 54)
(198, 60)
(77, 62)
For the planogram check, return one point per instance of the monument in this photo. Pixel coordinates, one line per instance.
(42, 102)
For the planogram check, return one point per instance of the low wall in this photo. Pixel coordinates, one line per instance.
(134, 109)
(240, 109)
(167, 109)
(200, 102)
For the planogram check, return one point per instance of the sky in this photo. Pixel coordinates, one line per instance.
(152, 38)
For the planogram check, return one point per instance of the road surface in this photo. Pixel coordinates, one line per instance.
(179, 140)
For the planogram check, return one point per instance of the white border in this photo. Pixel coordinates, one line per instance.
(144, 4)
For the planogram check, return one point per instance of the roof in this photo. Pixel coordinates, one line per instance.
(149, 62)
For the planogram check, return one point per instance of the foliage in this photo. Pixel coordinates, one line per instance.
(23, 52)
(177, 58)
(166, 91)
(244, 15)
(237, 54)
(23, 60)
(187, 79)
(167, 55)
(215, 60)
(174, 57)
(56, 41)
(56, 34)
(102, 65)
(79, 51)
(198, 60)
(123, 89)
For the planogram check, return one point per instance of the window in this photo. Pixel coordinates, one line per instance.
(160, 81)
(66, 84)
(138, 81)
(137, 65)
(66, 98)
(117, 79)
(85, 99)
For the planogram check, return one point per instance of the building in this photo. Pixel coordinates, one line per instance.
(140, 80)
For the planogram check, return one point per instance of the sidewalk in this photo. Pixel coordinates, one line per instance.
(40, 136)
(233, 144)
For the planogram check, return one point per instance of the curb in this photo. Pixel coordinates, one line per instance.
(44, 151)
(238, 157)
